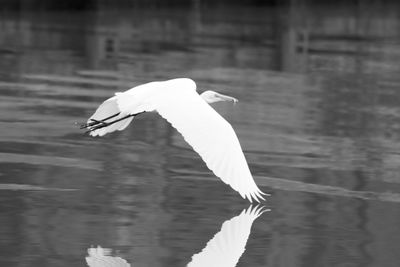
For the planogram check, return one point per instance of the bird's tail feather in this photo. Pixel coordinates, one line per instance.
(105, 110)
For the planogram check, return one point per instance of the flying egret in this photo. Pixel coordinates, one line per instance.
(177, 101)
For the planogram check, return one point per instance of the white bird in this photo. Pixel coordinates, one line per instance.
(177, 101)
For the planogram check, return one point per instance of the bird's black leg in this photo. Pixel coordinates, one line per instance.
(96, 122)
(103, 124)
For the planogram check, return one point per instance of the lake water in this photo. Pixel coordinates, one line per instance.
(318, 119)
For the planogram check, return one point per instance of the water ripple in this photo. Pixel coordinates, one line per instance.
(28, 187)
(50, 160)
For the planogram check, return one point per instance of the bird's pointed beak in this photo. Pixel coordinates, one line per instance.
(227, 98)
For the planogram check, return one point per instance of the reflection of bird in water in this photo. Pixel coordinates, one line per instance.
(228, 245)
(202, 127)
(101, 257)
(223, 250)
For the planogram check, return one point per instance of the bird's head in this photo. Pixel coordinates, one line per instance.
(212, 97)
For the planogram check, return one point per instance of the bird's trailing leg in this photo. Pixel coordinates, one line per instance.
(98, 124)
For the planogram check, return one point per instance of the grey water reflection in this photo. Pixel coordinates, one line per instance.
(318, 119)
(102, 257)
(223, 250)
(228, 245)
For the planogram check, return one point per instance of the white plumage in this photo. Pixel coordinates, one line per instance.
(210, 135)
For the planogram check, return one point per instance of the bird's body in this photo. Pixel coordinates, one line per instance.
(210, 135)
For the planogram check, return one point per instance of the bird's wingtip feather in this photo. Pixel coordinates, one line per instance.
(257, 196)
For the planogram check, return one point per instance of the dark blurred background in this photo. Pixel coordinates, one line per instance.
(92, 4)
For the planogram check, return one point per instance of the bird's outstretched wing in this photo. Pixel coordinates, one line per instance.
(228, 245)
(210, 135)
